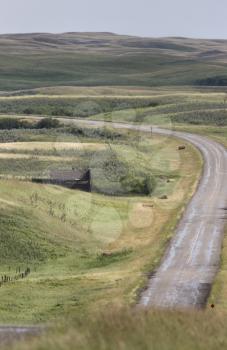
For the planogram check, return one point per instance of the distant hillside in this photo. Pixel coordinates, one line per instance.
(101, 59)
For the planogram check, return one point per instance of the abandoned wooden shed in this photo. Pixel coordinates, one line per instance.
(70, 178)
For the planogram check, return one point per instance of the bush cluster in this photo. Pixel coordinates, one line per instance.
(15, 123)
(112, 176)
(213, 81)
(71, 107)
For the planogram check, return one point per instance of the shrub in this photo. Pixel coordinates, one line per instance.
(12, 123)
(213, 81)
(94, 133)
(111, 258)
(48, 123)
(138, 183)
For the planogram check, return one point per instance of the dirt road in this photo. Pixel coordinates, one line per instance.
(188, 269)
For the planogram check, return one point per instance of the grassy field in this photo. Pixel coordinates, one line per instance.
(90, 281)
(89, 255)
(200, 111)
(86, 251)
(168, 107)
(105, 59)
(176, 107)
(118, 328)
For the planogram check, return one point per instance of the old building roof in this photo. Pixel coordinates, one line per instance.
(67, 175)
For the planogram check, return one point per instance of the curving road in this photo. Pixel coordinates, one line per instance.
(187, 271)
(188, 268)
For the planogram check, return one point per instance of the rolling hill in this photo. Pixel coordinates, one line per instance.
(106, 59)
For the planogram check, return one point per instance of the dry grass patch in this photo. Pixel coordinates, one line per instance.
(32, 146)
(27, 156)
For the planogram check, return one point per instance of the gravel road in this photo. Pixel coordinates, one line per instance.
(189, 266)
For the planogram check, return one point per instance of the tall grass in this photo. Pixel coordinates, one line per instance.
(127, 329)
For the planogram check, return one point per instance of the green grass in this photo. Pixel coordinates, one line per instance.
(87, 250)
(170, 103)
(133, 163)
(90, 254)
(99, 59)
(128, 329)
(74, 106)
(198, 108)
